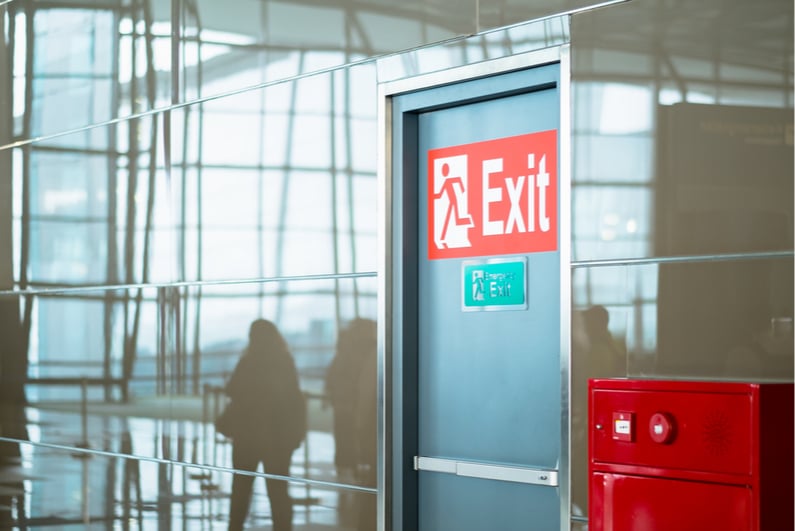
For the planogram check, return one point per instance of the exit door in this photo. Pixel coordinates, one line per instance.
(477, 360)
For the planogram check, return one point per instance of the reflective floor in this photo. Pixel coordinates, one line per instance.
(50, 486)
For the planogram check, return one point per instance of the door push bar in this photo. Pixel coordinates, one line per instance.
(532, 476)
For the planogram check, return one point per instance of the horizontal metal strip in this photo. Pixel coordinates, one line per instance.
(516, 474)
(659, 260)
(88, 452)
(183, 284)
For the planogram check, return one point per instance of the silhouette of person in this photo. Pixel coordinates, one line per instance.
(366, 430)
(270, 418)
(342, 384)
(595, 354)
(13, 419)
(348, 382)
(606, 358)
(13, 424)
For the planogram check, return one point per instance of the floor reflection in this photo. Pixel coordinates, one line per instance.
(47, 487)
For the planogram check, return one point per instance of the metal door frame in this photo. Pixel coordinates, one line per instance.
(397, 410)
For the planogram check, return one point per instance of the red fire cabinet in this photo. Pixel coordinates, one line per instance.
(686, 455)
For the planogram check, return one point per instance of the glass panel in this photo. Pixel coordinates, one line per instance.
(60, 488)
(687, 319)
(162, 363)
(594, 164)
(706, 202)
(69, 184)
(491, 45)
(271, 40)
(610, 219)
(98, 209)
(725, 320)
(296, 195)
(701, 143)
(110, 339)
(64, 253)
(496, 13)
(75, 66)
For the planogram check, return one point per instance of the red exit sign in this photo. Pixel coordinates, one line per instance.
(494, 197)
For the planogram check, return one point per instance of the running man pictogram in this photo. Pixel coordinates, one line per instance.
(451, 210)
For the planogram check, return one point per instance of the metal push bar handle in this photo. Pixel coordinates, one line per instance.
(532, 476)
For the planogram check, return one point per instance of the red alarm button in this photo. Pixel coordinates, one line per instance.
(623, 426)
(662, 428)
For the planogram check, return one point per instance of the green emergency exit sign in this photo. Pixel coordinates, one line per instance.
(494, 284)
